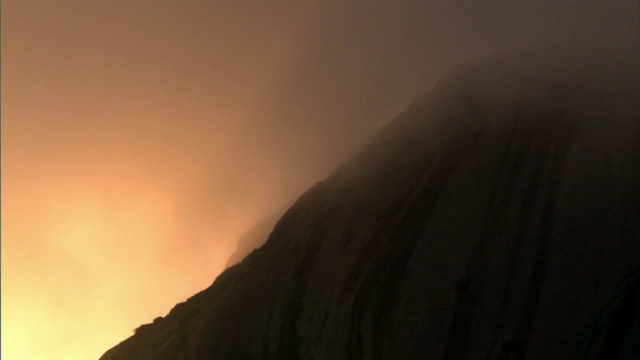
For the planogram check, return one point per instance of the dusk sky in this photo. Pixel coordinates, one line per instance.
(140, 139)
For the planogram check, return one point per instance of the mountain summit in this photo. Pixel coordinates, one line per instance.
(494, 219)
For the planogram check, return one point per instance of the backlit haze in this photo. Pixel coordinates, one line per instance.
(141, 139)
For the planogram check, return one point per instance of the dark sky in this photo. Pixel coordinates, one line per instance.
(140, 139)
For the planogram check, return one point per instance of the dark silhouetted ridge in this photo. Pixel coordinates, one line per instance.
(494, 219)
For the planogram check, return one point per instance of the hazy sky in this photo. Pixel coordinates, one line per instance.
(140, 139)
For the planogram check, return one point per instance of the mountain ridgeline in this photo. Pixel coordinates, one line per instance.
(497, 218)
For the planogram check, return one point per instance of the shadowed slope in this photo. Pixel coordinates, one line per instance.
(489, 221)
(615, 334)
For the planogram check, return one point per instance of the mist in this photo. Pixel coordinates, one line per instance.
(141, 139)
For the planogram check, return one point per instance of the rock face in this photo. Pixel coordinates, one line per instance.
(491, 220)
(615, 334)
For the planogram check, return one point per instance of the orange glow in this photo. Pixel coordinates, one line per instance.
(131, 162)
(95, 259)
(141, 139)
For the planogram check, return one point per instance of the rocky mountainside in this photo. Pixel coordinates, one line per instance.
(494, 219)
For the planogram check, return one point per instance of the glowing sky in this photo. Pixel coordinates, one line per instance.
(140, 139)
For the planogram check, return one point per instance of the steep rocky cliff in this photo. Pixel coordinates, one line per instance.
(491, 220)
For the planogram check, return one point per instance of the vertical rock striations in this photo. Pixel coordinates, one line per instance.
(490, 221)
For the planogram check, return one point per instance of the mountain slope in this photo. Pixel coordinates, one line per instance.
(490, 220)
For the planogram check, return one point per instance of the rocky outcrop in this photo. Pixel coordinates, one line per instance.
(491, 220)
